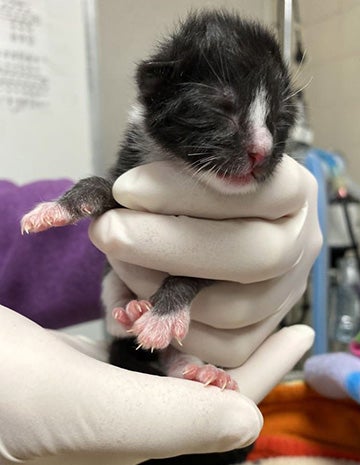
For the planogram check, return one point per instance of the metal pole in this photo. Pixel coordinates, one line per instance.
(285, 12)
(90, 17)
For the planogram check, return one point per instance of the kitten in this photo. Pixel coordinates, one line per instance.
(215, 99)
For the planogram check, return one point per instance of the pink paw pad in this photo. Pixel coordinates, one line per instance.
(156, 331)
(45, 216)
(132, 312)
(210, 375)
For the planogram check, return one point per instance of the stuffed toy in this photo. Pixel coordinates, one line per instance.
(336, 375)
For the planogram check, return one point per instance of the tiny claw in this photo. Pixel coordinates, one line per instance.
(139, 347)
(185, 372)
(208, 383)
(138, 308)
(148, 307)
(152, 350)
(129, 330)
(115, 313)
(224, 386)
(179, 342)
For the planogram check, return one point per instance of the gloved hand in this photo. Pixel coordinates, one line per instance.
(60, 403)
(259, 246)
(59, 399)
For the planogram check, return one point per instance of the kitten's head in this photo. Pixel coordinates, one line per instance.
(217, 95)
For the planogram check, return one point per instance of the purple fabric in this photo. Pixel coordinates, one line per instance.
(53, 277)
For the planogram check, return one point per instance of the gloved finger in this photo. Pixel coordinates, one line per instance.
(272, 360)
(232, 305)
(162, 187)
(223, 305)
(95, 349)
(232, 250)
(43, 368)
(227, 305)
(143, 282)
(229, 347)
(218, 344)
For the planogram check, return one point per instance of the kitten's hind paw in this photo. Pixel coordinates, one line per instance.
(155, 331)
(132, 312)
(44, 216)
(209, 375)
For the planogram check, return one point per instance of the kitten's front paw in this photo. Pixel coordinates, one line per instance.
(45, 216)
(209, 375)
(155, 331)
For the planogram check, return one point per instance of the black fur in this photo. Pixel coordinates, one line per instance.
(176, 293)
(123, 354)
(89, 197)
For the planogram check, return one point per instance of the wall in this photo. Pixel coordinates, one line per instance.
(127, 30)
(331, 31)
(44, 101)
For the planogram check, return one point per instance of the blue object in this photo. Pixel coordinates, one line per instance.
(332, 162)
(352, 384)
(319, 275)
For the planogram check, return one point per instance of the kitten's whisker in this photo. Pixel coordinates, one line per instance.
(299, 90)
(300, 66)
(203, 164)
(199, 84)
(225, 75)
(202, 168)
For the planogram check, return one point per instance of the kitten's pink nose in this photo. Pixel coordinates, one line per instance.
(260, 146)
(256, 156)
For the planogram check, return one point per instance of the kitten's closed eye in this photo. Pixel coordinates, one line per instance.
(227, 101)
(227, 105)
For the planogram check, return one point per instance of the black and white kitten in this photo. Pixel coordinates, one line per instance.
(215, 99)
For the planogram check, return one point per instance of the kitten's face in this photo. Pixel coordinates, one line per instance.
(218, 97)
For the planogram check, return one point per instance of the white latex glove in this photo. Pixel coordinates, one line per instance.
(61, 404)
(260, 246)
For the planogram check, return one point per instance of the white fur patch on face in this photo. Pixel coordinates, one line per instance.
(259, 108)
(262, 139)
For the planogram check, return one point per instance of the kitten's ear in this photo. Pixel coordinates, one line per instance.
(151, 75)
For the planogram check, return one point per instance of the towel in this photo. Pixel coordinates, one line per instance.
(54, 277)
(301, 461)
(300, 422)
